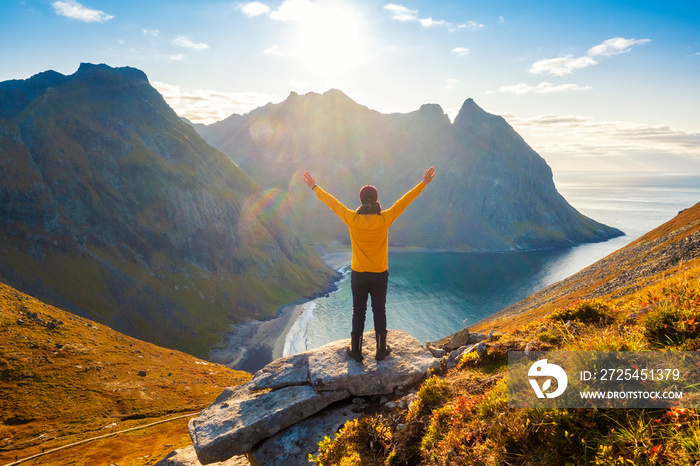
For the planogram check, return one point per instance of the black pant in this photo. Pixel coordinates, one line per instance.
(366, 284)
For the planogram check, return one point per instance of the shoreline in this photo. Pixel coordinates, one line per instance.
(252, 345)
(293, 312)
(335, 261)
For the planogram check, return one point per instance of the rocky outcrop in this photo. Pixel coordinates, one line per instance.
(240, 418)
(296, 442)
(454, 346)
(188, 457)
(291, 404)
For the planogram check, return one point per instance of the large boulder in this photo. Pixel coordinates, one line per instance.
(454, 341)
(294, 443)
(406, 365)
(188, 457)
(254, 416)
(284, 372)
(240, 418)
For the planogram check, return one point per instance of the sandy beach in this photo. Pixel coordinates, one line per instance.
(250, 346)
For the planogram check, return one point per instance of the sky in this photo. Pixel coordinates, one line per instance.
(590, 85)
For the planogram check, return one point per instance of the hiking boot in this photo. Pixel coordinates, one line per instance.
(382, 348)
(355, 350)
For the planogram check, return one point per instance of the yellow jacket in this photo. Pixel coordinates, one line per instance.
(369, 234)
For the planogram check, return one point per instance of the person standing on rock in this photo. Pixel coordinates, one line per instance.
(369, 237)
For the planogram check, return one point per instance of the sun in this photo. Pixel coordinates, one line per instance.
(330, 39)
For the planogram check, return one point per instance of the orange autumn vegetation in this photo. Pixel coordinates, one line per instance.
(64, 378)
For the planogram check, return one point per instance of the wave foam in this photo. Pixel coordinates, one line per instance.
(295, 340)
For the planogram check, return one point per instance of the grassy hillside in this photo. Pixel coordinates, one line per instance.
(643, 297)
(664, 250)
(64, 378)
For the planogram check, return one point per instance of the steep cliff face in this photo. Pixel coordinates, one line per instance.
(509, 188)
(494, 192)
(113, 207)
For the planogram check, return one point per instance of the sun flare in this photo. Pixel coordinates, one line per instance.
(330, 39)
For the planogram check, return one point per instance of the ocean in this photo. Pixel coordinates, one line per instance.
(432, 295)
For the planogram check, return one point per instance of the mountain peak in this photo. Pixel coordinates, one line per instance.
(470, 110)
(16, 94)
(431, 109)
(472, 118)
(132, 74)
(337, 93)
(333, 101)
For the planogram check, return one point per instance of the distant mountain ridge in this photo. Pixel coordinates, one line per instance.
(113, 208)
(493, 192)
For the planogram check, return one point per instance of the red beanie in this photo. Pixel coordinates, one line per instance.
(368, 194)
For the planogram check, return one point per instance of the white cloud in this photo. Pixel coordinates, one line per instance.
(208, 106)
(461, 51)
(74, 10)
(568, 64)
(252, 9)
(473, 25)
(293, 10)
(429, 22)
(177, 57)
(542, 88)
(401, 13)
(289, 10)
(300, 84)
(183, 41)
(571, 142)
(451, 83)
(561, 66)
(150, 32)
(276, 51)
(615, 46)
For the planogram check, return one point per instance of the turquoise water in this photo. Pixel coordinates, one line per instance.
(432, 295)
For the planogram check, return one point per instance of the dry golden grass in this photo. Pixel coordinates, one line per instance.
(64, 378)
(609, 278)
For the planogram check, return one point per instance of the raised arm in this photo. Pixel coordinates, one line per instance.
(334, 204)
(428, 176)
(399, 206)
(310, 180)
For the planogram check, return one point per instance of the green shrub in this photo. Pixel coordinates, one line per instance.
(433, 393)
(587, 312)
(676, 321)
(550, 336)
(353, 445)
(494, 360)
